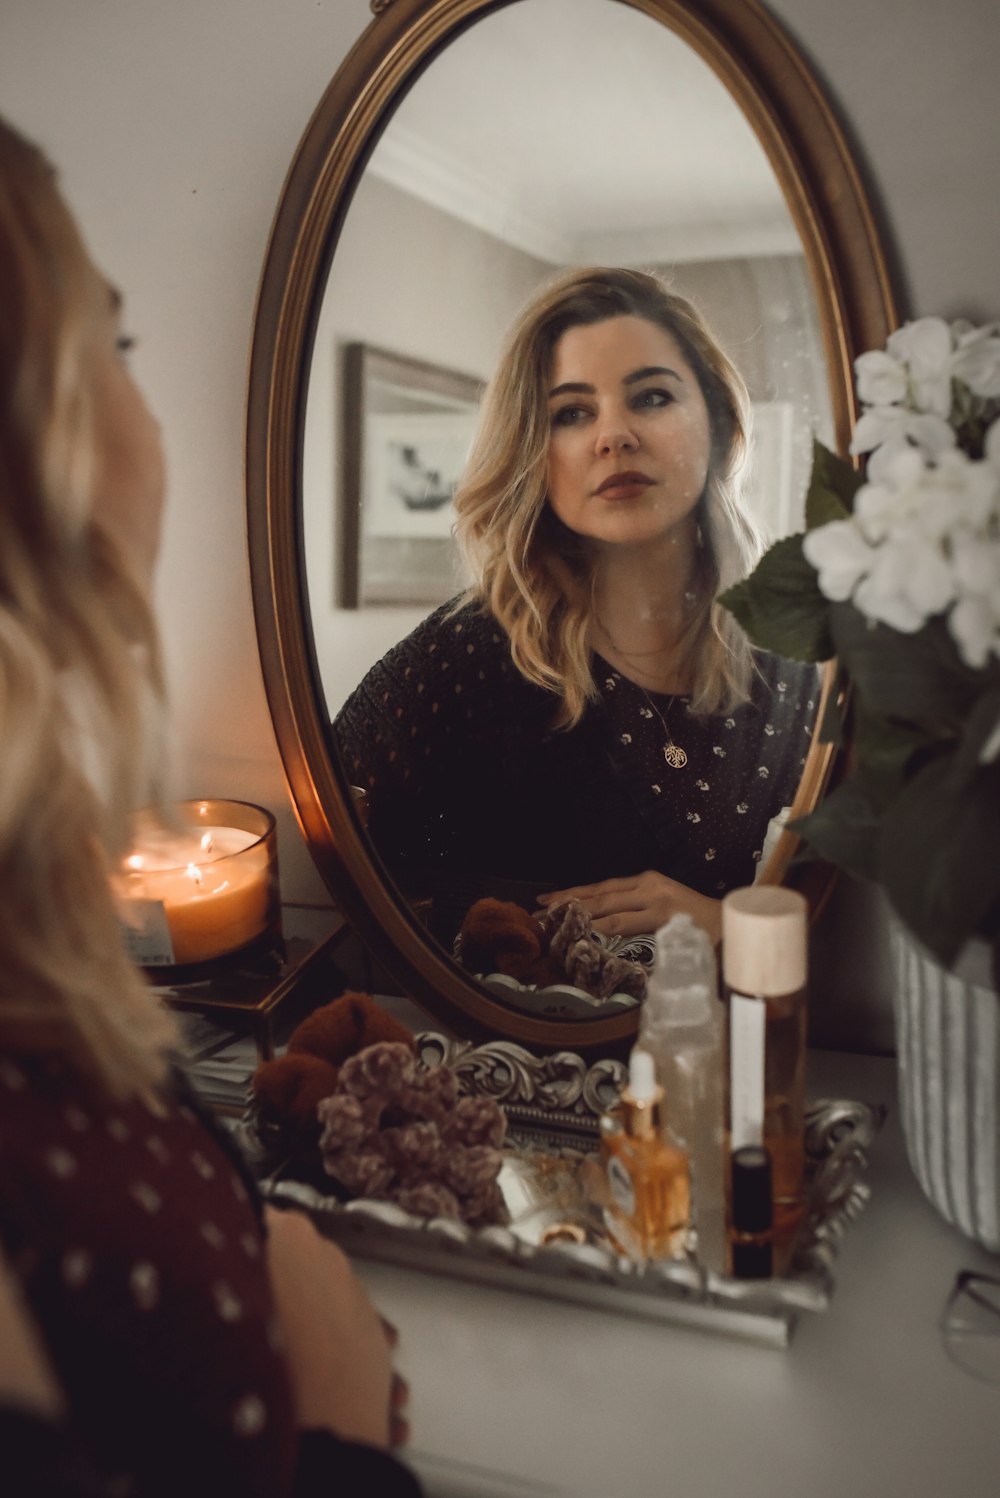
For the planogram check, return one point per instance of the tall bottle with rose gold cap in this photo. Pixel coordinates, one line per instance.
(764, 970)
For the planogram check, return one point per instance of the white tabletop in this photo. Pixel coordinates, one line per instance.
(511, 1394)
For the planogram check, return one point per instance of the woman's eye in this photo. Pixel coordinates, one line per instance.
(568, 416)
(650, 399)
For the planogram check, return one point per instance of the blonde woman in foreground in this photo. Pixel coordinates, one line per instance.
(158, 1334)
(587, 720)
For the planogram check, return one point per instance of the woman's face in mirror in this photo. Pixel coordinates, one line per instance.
(630, 436)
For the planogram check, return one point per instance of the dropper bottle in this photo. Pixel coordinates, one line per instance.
(681, 1025)
(648, 1195)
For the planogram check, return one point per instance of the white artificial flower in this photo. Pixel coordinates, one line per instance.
(902, 428)
(885, 605)
(909, 583)
(840, 555)
(976, 361)
(880, 379)
(976, 564)
(975, 628)
(925, 347)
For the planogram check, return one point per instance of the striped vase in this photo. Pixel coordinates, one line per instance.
(948, 1056)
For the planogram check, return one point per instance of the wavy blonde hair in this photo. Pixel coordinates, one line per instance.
(530, 571)
(79, 664)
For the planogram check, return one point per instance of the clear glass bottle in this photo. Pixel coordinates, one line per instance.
(681, 1025)
(764, 968)
(648, 1208)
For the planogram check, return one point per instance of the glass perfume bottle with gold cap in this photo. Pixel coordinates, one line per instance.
(647, 1212)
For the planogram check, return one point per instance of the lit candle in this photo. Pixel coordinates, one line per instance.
(187, 898)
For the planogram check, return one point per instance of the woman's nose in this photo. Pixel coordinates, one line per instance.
(614, 436)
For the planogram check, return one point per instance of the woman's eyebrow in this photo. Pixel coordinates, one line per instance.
(572, 387)
(577, 387)
(651, 369)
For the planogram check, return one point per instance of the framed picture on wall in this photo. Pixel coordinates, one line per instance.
(407, 429)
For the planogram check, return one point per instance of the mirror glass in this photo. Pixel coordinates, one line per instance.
(550, 134)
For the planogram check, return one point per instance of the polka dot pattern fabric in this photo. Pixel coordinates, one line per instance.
(470, 784)
(141, 1256)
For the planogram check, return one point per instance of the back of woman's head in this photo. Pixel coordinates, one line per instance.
(528, 568)
(78, 657)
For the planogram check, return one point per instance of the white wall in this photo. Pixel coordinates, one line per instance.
(173, 122)
(410, 279)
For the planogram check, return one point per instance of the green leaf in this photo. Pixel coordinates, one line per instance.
(982, 723)
(885, 752)
(937, 855)
(780, 605)
(916, 679)
(833, 484)
(844, 830)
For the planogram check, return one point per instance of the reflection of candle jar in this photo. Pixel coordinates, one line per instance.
(203, 889)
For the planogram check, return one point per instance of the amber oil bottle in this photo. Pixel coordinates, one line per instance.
(764, 969)
(648, 1208)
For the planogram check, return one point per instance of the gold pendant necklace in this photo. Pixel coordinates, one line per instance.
(675, 756)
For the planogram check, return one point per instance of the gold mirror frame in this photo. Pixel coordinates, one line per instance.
(785, 105)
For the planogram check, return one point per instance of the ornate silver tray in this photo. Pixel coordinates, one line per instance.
(553, 1104)
(565, 1000)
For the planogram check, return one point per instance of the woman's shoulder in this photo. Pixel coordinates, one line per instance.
(778, 678)
(458, 640)
(461, 626)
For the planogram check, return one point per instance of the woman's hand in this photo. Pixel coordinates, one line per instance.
(337, 1345)
(640, 903)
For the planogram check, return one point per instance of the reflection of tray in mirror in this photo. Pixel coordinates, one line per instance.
(553, 1104)
(564, 1000)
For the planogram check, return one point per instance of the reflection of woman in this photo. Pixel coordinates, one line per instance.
(588, 720)
(155, 1336)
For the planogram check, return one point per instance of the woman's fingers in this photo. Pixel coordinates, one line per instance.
(586, 892)
(641, 903)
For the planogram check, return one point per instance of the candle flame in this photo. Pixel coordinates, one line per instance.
(194, 873)
(134, 861)
(207, 844)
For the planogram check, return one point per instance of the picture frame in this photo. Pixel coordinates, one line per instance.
(407, 429)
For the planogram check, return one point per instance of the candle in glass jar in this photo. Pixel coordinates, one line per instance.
(190, 898)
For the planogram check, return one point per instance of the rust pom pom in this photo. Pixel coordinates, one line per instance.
(497, 936)
(289, 1089)
(346, 1026)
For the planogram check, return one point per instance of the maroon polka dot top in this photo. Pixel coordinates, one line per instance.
(141, 1256)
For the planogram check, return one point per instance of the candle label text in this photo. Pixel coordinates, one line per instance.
(147, 935)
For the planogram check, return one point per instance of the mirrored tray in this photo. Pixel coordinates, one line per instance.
(553, 1104)
(565, 1000)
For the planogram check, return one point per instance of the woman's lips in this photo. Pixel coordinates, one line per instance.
(623, 485)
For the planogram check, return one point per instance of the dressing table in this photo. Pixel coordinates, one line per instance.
(515, 1395)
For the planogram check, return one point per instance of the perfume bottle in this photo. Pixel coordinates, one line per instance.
(681, 1025)
(648, 1193)
(764, 964)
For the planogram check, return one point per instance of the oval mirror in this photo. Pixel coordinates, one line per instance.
(466, 151)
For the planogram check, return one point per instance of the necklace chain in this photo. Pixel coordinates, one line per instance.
(675, 756)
